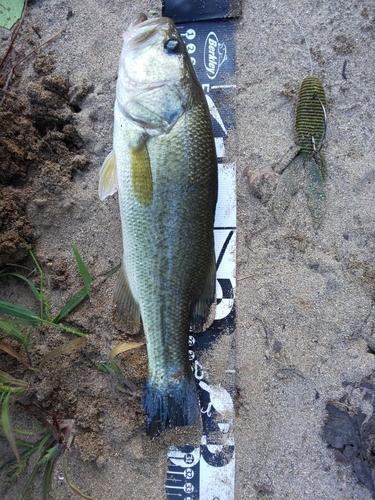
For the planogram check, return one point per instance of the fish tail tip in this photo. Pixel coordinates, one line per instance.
(170, 406)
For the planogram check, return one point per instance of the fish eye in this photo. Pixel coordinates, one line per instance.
(172, 46)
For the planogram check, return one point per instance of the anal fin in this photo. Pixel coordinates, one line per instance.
(127, 308)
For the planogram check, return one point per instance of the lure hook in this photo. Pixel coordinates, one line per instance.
(325, 125)
(313, 143)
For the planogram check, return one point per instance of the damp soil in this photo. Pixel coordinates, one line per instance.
(305, 301)
(40, 152)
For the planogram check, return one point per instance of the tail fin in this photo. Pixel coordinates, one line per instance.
(172, 405)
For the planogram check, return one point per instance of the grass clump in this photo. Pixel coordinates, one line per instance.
(53, 439)
(18, 322)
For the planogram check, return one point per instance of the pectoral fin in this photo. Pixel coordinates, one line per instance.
(126, 306)
(141, 173)
(203, 313)
(108, 177)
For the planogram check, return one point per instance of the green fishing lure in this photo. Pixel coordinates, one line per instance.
(311, 117)
(306, 157)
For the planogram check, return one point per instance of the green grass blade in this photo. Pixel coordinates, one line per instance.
(41, 301)
(30, 283)
(71, 485)
(63, 349)
(36, 263)
(47, 479)
(71, 304)
(87, 279)
(50, 458)
(29, 481)
(112, 271)
(19, 312)
(38, 321)
(7, 426)
(26, 433)
(103, 367)
(62, 327)
(31, 448)
(115, 367)
(36, 467)
(9, 327)
(43, 442)
(84, 292)
(14, 383)
(23, 444)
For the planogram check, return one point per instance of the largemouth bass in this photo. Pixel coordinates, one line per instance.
(163, 165)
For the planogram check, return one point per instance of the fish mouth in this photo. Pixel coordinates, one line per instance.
(142, 29)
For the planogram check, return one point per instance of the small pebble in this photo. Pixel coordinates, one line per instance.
(100, 462)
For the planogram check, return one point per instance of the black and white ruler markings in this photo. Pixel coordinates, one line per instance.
(207, 472)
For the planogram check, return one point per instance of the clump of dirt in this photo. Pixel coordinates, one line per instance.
(40, 150)
(15, 230)
(343, 44)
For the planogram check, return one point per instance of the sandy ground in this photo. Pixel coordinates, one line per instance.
(305, 296)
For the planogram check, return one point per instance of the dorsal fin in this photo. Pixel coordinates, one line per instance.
(127, 308)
